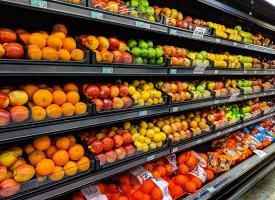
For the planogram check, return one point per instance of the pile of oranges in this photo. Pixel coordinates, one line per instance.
(160, 168)
(54, 46)
(56, 157)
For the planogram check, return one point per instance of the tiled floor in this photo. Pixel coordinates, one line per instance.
(263, 190)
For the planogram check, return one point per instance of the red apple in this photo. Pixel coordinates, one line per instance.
(127, 138)
(4, 117)
(127, 58)
(111, 156)
(113, 43)
(108, 143)
(102, 158)
(188, 19)
(175, 61)
(121, 153)
(90, 139)
(118, 140)
(123, 90)
(185, 25)
(130, 150)
(100, 135)
(123, 9)
(4, 100)
(111, 133)
(99, 104)
(114, 91)
(92, 91)
(128, 102)
(117, 103)
(122, 46)
(107, 56)
(118, 58)
(84, 136)
(107, 104)
(211, 118)
(104, 91)
(96, 146)
(180, 24)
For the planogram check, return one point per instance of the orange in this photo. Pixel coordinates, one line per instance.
(137, 195)
(148, 186)
(192, 162)
(38, 40)
(50, 151)
(35, 157)
(181, 179)
(54, 111)
(60, 157)
(44, 34)
(59, 34)
(156, 194)
(169, 169)
(57, 88)
(112, 188)
(161, 162)
(54, 42)
(146, 197)
(183, 169)
(42, 98)
(64, 55)
(38, 113)
(63, 143)
(161, 170)
(72, 140)
(181, 158)
(77, 55)
(156, 174)
(101, 187)
(34, 52)
(176, 192)
(189, 187)
(149, 167)
(80, 108)
(123, 198)
(30, 90)
(70, 168)
(57, 174)
(83, 164)
(209, 174)
(70, 87)
(60, 27)
(59, 97)
(68, 109)
(76, 152)
(196, 181)
(42, 143)
(45, 167)
(73, 97)
(28, 148)
(69, 44)
(49, 53)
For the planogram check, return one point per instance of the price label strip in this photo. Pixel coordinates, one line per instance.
(173, 31)
(140, 24)
(260, 153)
(39, 3)
(107, 70)
(199, 33)
(143, 113)
(96, 15)
(234, 96)
(199, 69)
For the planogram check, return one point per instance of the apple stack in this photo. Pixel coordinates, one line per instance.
(109, 144)
(246, 61)
(177, 56)
(145, 53)
(9, 48)
(218, 87)
(246, 85)
(107, 50)
(198, 58)
(108, 96)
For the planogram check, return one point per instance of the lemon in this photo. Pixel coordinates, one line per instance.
(150, 133)
(146, 87)
(136, 96)
(145, 95)
(145, 147)
(137, 144)
(127, 125)
(153, 94)
(126, 83)
(159, 144)
(131, 89)
(157, 137)
(135, 136)
(135, 83)
(150, 101)
(141, 138)
(141, 82)
(147, 140)
(133, 131)
(142, 131)
(151, 85)
(152, 145)
(141, 102)
(143, 124)
(156, 129)
(150, 125)
(155, 101)
(163, 136)
(158, 94)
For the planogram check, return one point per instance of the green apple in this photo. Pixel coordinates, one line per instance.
(139, 60)
(200, 88)
(150, 44)
(199, 56)
(249, 102)
(204, 54)
(145, 61)
(131, 43)
(240, 84)
(152, 61)
(134, 3)
(159, 52)
(151, 53)
(238, 28)
(151, 18)
(159, 61)
(134, 13)
(247, 65)
(210, 86)
(142, 44)
(150, 10)
(191, 55)
(136, 51)
(144, 53)
(141, 8)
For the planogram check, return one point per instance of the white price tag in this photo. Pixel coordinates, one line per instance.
(211, 189)
(39, 3)
(216, 71)
(141, 173)
(107, 70)
(96, 15)
(234, 96)
(174, 150)
(140, 24)
(216, 101)
(175, 109)
(234, 44)
(260, 153)
(217, 40)
(246, 46)
(92, 193)
(199, 33)
(143, 113)
(198, 141)
(245, 71)
(149, 158)
(163, 186)
(200, 173)
(173, 31)
(172, 159)
(173, 71)
(199, 69)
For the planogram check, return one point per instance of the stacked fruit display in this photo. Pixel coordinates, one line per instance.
(43, 101)
(145, 52)
(218, 87)
(9, 47)
(110, 144)
(246, 85)
(224, 60)
(162, 168)
(107, 50)
(46, 158)
(184, 91)
(135, 8)
(54, 46)
(198, 58)
(177, 56)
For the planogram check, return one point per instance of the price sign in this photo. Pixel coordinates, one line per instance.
(199, 33)
(234, 96)
(39, 3)
(92, 193)
(211, 189)
(260, 153)
(96, 15)
(199, 69)
(149, 158)
(175, 109)
(140, 24)
(174, 149)
(172, 71)
(216, 71)
(142, 113)
(173, 31)
(234, 44)
(217, 40)
(107, 70)
(198, 141)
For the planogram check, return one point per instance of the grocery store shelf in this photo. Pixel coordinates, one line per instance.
(244, 187)
(222, 181)
(258, 94)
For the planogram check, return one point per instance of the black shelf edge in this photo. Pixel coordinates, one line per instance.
(251, 181)
(259, 94)
(48, 194)
(228, 177)
(123, 20)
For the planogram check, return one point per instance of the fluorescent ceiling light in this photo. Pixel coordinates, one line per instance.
(272, 2)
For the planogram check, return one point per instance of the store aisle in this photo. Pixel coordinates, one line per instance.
(263, 190)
